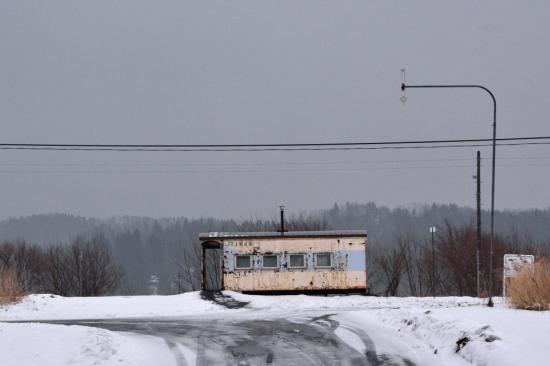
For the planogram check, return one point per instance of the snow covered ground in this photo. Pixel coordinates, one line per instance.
(422, 331)
(51, 307)
(480, 335)
(47, 344)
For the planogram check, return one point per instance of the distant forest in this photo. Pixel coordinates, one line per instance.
(164, 253)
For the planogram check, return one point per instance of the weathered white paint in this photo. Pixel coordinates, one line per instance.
(295, 244)
(340, 277)
(290, 281)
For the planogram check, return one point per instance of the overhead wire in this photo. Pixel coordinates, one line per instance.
(258, 170)
(326, 146)
(283, 166)
(252, 164)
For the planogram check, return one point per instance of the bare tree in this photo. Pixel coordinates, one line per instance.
(391, 267)
(56, 277)
(6, 254)
(93, 265)
(416, 264)
(187, 264)
(374, 277)
(25, 261)
(85, 268)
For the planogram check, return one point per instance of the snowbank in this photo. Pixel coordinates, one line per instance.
(54, 345)
(303, 302)
(480, 335)
(52, 307)
(456, 329)
(451, 326)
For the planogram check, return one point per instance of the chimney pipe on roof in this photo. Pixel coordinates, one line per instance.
(282, 219)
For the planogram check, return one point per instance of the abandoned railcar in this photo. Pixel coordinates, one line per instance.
(293, 262)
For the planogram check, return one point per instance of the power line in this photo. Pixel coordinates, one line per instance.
(271, 170)
(274, 145)
(329, 146)
(261, 164)
(239, 171)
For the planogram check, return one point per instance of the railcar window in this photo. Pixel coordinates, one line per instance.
(297, 261)
(243, 262)
(269, 261)
(323, 260)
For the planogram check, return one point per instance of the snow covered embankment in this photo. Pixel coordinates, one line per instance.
(455, 327)
(52, 307)
(480, 335)
(54, 345)
(451, 326)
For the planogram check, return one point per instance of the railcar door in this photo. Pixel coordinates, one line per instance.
(212, 266)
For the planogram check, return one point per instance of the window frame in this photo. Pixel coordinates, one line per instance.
(249, 261)
(270, 255)
(315, 261)
(297, 267)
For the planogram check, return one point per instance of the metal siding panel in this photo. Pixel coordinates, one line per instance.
(348, 270)
(356, 261)
(288, 234)
(278, 281)
(295, 245)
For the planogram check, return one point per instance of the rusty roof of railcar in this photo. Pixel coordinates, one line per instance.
(287, 234)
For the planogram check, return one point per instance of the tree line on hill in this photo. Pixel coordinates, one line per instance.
(146, 255)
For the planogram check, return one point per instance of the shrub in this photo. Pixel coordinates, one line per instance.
(11, 289)
(531, 288)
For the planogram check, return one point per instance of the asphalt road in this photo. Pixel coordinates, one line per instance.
(303, 340)
(254, 338)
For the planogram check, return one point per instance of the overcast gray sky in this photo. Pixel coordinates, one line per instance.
(182, 72)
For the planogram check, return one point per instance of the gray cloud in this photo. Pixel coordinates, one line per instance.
(248, 71)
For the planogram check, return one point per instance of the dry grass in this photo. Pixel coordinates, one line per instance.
(531, 289)
(10, 288)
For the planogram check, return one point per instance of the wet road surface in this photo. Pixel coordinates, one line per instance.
(301, 340)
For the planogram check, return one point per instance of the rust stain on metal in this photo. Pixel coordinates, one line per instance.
(302, 263)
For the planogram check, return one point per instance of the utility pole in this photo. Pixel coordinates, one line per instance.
(403, 98)
(432, 231)
(80, 273)
(478, 199)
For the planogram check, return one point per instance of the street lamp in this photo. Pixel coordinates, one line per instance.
(432, 231)
(404, 87)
